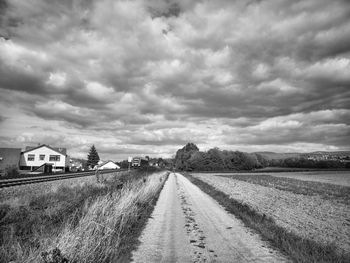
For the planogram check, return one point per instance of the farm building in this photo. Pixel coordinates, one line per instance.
(108, 165)
(34, 157)
(9, 157)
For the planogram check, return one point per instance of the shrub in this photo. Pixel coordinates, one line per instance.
(11, 171)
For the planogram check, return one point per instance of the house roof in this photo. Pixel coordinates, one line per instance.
(58, 150)
(102, 164)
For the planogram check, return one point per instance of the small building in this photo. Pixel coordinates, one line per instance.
(9, 158)
(108, 165)
(34, 157)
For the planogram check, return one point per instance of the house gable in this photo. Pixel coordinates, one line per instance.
(35, 157)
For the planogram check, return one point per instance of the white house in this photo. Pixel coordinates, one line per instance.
(34, 157)
(108, 165)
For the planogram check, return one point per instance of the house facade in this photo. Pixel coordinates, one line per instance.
(34, 157)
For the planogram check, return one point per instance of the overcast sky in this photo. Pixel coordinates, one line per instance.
(146, 77)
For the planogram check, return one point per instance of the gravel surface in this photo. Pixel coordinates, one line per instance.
(189, 226)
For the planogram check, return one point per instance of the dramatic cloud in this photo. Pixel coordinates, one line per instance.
(146, 76)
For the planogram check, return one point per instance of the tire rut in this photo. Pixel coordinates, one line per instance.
(200, 250)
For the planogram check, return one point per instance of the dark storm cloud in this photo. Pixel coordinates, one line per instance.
(159, 73)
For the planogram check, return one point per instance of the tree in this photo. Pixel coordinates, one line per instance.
(93, 157)
(183, 155)
(189, 158)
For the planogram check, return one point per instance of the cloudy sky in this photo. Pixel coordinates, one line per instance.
(146, 77)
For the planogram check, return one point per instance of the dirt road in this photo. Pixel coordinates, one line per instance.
(189, 226)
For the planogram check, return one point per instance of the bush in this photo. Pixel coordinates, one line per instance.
(11, 171)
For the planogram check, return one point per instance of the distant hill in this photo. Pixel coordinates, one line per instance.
(337, 153)
(279, 156)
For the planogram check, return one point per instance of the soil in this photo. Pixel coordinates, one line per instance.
(187, 225)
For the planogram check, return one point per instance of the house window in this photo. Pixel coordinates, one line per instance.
(31, 157)
(42, 157)
(54, 158)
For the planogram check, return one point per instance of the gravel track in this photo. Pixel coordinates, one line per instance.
(189, 226)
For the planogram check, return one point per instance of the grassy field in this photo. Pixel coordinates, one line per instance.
(286, 182)
(66, 220)
(330, 177)
(296, 222)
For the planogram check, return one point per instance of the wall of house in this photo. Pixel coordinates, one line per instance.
(37, 162)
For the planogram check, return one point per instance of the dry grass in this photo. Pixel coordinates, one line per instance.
(309, 216)
(33, 218)
(103, 233)
(22, 194)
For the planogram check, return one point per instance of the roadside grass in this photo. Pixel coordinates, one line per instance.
(30, 229)
(326, 191)
(108, 231)
(297, 248)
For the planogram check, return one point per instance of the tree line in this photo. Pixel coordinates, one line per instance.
(190, 158)
(301, 162)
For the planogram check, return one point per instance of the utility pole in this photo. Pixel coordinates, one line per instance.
(129, 161)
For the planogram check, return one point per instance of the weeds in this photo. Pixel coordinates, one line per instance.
(109, 228)
(28, 230)
(53, 256)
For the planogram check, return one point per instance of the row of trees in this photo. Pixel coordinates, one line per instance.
(307, 163)
(190, 158)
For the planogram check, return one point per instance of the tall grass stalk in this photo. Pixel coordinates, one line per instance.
(108, 228)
